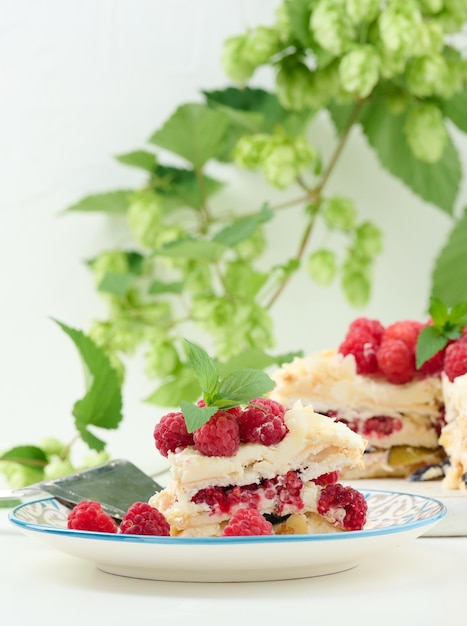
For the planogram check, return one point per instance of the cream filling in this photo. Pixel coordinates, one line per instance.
(454, 435)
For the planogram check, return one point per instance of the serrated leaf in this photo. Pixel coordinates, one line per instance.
(189, 248)
(113, 202)
(203, 367)
(456, 109)
(449, 278)
(196, 416)
(439, 312)
(458, 314)
(139, 158)
(30, 456)
(243, 228)
(430, 341)
(101, 406)
(340, 115)
(194, 132)
(437, 183)
(181, 187)
(242, 386)
(115, 283)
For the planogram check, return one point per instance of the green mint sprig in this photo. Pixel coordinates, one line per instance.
(447, 326)
(238, 387)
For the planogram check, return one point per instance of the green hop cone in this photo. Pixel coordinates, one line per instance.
(340, 214)
(368, 240)
(431, 7)
(19, 475)
(332, 26)
(94, 458)
(251, 150)
(145, 218)
(253, 247)
(261, 44)
(322, 267)
(426, 133)
(283, 26)
(287, 159)
(162, 359)
(426, 74)
(453, 16)
(356, 287)
(430, 39)
(294, 85)
(52, 446)
(109, 262)
(233, 60)
(57, 468)
(362, 11)
(359, 71)
(399, 26)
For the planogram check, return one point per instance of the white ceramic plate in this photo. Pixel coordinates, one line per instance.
(392, 518)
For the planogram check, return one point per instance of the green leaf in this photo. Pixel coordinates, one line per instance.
(140, 159)
(158, 287)
(456, 109)
(204, 368)
(459, 314)
(430, 341)
(437, 183)
(112, 202)
(299, 12)
(101, 406)
(194, 132)
(196, 416)
(340, 115)
(449, 278)
(256, 359)
(30, 456)
(439, 312)
(115, 283)
(181, 187)
(189, 248)
(242, 386)
(243, 228)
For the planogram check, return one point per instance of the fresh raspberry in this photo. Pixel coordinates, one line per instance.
(225, 499)
(287, 489)
(396, 361)
(220, 436)
(262, 421)
(334, 498)
(434, 365)
(455, 359)
(327, 479)
(363, 346)
(381, 426)
(89, 515)
(247, 522)
(406, 331)
(171, 435)
(143, 519)
(372, 327)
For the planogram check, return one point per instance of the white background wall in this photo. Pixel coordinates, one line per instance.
(81, 81)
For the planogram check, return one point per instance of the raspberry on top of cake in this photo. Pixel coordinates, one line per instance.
(252, 454)
(376, 383)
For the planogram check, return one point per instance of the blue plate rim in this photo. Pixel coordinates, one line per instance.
(312, 537)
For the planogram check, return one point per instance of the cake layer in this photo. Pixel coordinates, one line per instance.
(454, 434)
(314, 445)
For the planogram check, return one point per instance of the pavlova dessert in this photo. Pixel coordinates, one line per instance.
(402, 387)
(243, 464)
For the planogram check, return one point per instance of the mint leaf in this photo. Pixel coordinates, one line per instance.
(430, 341)
(439, 312)
(449, 277)
(101, 406)
(140, 159)
(204, 369)
(111, 202)
(196, 416)
(437, 183)
(243, 385)
(194, 132)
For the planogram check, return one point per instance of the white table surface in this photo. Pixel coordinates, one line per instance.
(422, 582)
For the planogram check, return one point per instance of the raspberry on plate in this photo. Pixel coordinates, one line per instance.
(455, 359)
(220, 436)
(89, 515)
(247, 522)
(143, 519)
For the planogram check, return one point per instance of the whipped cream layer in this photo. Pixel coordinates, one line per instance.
(314, 445)
(329, 380)
(454, 435)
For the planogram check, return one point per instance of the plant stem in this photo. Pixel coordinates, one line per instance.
(314, 197)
